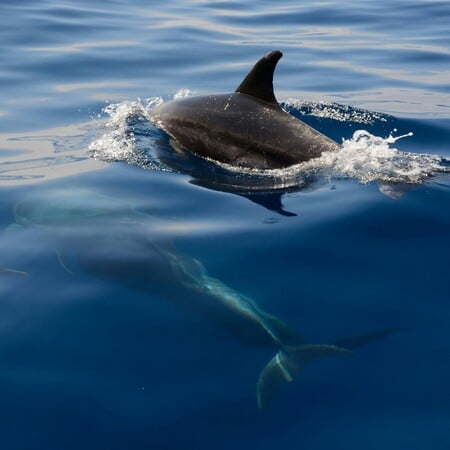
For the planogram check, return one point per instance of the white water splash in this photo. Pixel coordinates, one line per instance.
(118, 142)
(364, 157)
(372, 158)
(181, 93)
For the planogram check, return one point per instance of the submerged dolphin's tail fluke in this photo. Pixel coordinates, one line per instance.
(286, 364)
(290, 359)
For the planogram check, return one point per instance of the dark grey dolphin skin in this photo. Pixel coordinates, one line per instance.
(246, 128)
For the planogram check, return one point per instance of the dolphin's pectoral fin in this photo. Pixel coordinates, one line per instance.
(259, 81)
(286, 364)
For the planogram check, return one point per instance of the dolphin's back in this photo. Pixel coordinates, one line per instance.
(246, 128)
(241, 130)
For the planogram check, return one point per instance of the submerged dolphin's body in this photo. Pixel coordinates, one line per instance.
(246, 128)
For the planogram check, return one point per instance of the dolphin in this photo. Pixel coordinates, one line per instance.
(113, 240)
(246, 128)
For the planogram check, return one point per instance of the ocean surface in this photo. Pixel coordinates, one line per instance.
(119, 253)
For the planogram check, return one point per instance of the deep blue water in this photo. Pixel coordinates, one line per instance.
(107, 337)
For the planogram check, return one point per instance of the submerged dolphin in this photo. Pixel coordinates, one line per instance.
(246, 128)
(112, 240)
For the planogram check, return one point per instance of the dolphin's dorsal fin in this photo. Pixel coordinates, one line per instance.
(259, 81)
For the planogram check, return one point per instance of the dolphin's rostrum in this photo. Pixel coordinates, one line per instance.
(246, 128)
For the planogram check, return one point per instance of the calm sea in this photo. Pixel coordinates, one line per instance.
(117, 252)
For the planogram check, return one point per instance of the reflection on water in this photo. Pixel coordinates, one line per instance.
(80, 46)
(89, 86)
(45, 155)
